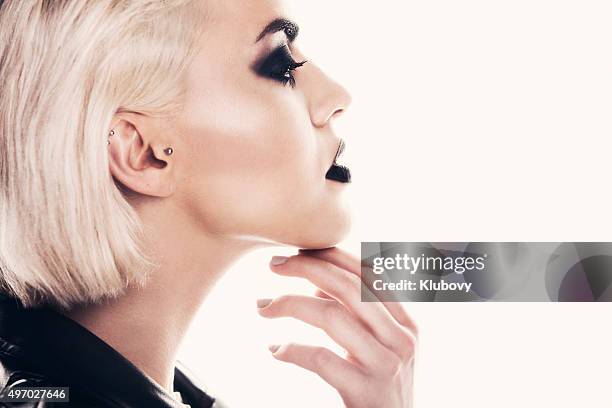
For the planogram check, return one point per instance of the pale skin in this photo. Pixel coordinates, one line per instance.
(248, 171)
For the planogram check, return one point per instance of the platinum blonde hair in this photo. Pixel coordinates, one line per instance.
(67, 232)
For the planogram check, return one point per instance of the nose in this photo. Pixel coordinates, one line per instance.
(326, 97)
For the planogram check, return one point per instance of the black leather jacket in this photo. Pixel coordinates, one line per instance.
(43, 348)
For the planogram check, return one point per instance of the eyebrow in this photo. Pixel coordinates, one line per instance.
(290, 28)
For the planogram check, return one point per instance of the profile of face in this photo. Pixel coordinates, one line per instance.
(253, 140)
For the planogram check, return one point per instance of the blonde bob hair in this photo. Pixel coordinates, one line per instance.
(67, 232)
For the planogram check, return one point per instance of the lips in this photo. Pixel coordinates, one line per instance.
(338, 172)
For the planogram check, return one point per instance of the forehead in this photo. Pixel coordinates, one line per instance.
(243, 18)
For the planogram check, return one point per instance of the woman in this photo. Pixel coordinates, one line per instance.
(145, 146)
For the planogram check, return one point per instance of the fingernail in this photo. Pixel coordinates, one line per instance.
(263, 302)
(278, 260)
(273, 348)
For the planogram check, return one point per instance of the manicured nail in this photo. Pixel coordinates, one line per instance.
(278, 260)
(273, 348)
(263, 302)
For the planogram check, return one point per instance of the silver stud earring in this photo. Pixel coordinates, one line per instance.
(112, 132)
(168, 151)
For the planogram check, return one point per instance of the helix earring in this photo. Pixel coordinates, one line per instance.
(112, 132)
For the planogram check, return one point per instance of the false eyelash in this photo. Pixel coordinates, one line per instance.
(288, 77)
(279, 65)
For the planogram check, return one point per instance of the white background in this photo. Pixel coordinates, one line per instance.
(472, 121)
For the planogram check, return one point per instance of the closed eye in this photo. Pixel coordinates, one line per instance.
(279, 66)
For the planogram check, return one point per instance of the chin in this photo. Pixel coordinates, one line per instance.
(326, 232)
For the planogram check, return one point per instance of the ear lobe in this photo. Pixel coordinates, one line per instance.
(137, 163)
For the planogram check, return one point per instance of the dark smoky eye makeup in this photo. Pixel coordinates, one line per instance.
(279, 66)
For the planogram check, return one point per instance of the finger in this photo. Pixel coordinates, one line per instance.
(337, 256)
(333, 369)
(346, 288)
(347, 261)
(331, 317)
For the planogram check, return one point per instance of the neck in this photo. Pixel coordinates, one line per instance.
(147, 324)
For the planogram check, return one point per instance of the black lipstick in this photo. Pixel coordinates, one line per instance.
(337, 171)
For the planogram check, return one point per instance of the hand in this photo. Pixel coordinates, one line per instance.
(379, 337)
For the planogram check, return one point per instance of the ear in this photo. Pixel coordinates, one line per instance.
(137, 156)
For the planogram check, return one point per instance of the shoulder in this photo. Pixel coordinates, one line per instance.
(12, 377)
(14, 373)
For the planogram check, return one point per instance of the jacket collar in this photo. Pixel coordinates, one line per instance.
(66, 351)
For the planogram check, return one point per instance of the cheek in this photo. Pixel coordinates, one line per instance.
(251, 160)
